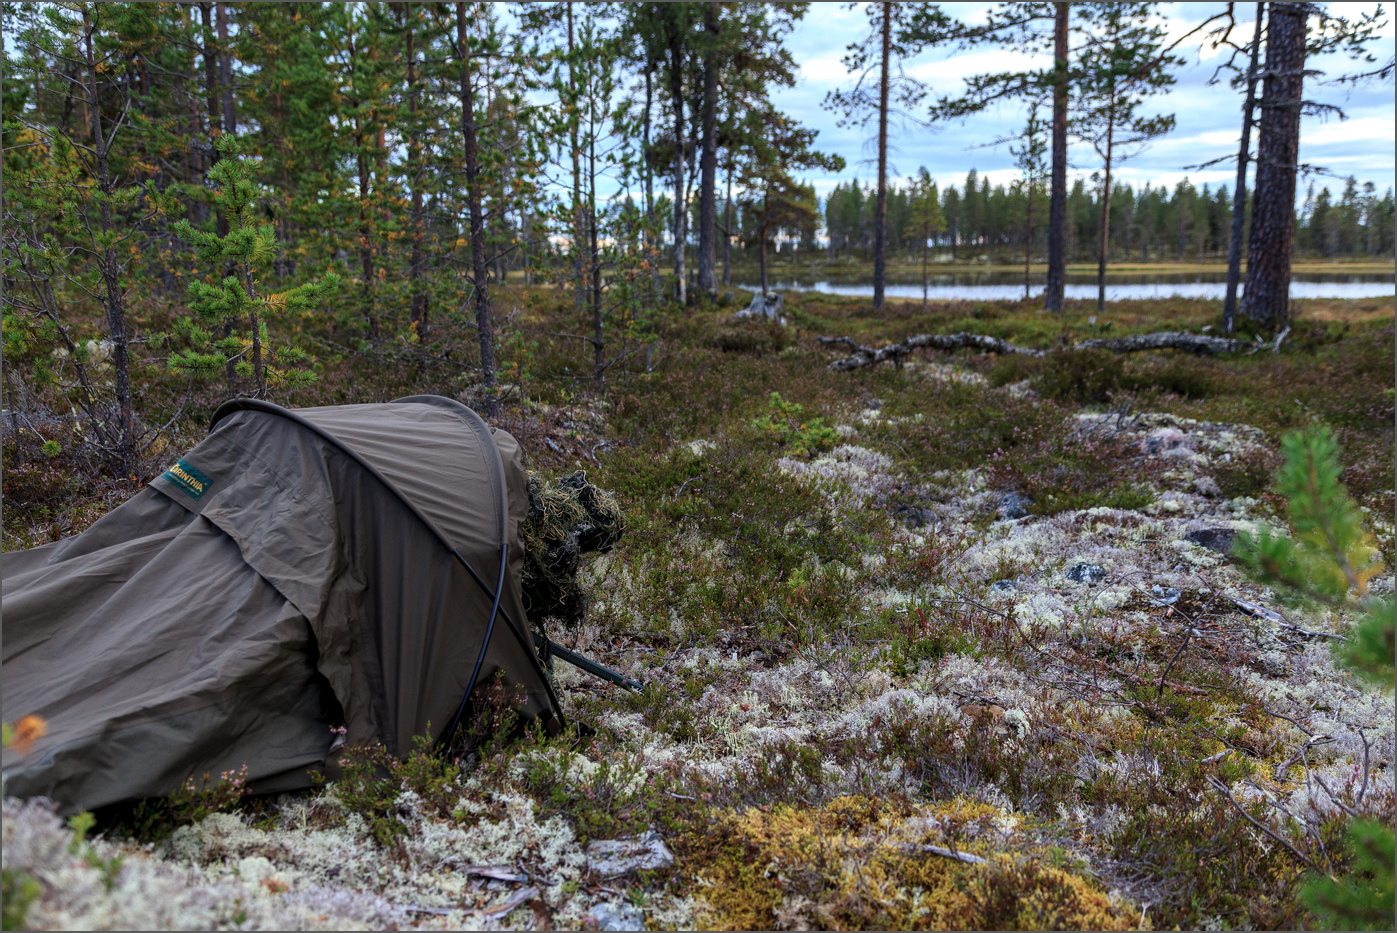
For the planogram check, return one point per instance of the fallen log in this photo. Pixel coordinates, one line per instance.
(867, 356)
(1168, 340)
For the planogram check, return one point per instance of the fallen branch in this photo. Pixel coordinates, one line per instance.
(1270, 615)
(867, 356)
(511, 902)
(1226, 792)
(965, 857)
(1168, 340)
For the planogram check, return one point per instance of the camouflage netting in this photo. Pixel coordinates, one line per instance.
(570, 518)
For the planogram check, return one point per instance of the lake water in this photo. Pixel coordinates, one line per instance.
(1002, 286)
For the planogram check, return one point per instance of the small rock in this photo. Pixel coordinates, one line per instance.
(1214, 539)
(1012, 506)
(617, 915)
(1165, 595)
(1207, 486)
(612, 858)
(1003, 586)
(1090, 574)
(913, 516)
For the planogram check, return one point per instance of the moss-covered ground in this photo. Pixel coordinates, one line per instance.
(872, 701)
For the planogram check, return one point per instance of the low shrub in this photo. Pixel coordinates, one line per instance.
(1185, 376)
(1061, 472)
(1081, 376)
(1248, 473)
(755, 337)
(1014, 367)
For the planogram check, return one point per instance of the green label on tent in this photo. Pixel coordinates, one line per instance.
(188, 479)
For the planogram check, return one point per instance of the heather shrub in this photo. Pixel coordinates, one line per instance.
(1081, 376)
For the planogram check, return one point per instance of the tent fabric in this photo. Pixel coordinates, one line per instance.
(295, 572)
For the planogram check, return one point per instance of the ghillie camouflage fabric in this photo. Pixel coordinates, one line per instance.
(570, 518)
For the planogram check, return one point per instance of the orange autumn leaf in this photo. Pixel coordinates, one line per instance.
(27, 731)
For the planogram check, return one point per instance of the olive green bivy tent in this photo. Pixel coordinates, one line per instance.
(296, 572)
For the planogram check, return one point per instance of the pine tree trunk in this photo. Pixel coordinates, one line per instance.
(761, 245)
(1028, 239)
(221, 111)
(366, 253)
(124, 457)
(926, 248)
(727, 231)
(1103, 246)
(708, 164)
(598, 342)
(880, 222)
(211, 95)
(1057, 203)
(681, 207)
(580, 289)
(654, 250)
(1267, 296)
(1239, 200)
(225, 72)
(477, 223)
(418, 308)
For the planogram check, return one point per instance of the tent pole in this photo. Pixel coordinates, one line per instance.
(587, 664)
(484, 645)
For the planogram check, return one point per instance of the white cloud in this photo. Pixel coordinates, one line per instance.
(823, 71)
(1377, 129)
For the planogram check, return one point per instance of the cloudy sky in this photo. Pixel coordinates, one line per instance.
(1209, 117)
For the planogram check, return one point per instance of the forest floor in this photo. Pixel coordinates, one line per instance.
(874, 698)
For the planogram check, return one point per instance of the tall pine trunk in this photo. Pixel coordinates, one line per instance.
(1057, 201)
(594, 245)
(598, 335)
(366, 252)
(926, 249)
(880, 222)
(727, 231)
(652, 248)
(580, 289)
(109, 268)
(1028, 239)
(761, 242)
(681, 206)
(1239, 200)
(225, 121)
(418, 307)
(1267, 296)
(708, 164)
(225, 72)
(477, 222)
(1104, 245)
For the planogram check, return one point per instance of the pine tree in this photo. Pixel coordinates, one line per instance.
(925, 217)
(1328, 557)
(238, 305)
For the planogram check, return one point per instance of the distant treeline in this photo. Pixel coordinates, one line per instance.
(1147, 224)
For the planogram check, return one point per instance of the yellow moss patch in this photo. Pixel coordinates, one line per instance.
(860, 863)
